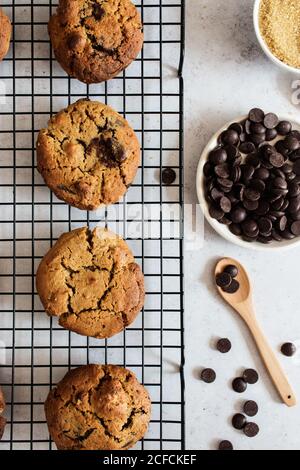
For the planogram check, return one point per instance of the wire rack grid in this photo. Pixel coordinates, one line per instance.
(36, 352)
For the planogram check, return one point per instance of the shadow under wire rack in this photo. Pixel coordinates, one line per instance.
(35, 352)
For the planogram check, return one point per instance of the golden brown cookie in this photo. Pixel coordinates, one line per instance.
(94, 40)
(97, 407)
(2, 419)
(90, 281)
(88, 155)
(5, 34)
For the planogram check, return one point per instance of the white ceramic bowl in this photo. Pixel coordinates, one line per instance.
(264, 45)
(221, 229)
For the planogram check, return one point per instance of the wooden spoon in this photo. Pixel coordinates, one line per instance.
(242, 302)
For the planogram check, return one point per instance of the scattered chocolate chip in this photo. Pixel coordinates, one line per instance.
(250, 376)
(224, 345)
(225, 445)
(288, 349)
(251, 429)
(250, 408)
(208, 375)
(239, 421)
(239, 385)
(168, 176)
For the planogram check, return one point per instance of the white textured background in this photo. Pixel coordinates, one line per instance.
(226, 74)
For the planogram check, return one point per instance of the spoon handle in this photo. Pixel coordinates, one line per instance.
(272, 364)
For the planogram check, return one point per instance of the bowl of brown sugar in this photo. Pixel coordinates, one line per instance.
(277, 27)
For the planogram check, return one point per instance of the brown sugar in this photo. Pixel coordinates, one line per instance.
(279, 22)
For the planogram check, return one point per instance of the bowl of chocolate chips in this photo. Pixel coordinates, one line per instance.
(248, 181)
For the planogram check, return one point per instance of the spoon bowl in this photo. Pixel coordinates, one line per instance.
(245, 291)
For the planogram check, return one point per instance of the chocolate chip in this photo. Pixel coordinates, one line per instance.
(235, 229)
(218, 156)
(250, 408)
(295, 228)
(224, 345)
(291, 143)
(250, 376)
(251, 429)
(168, 176)
(276, 159)
(216, 213)
(230, 137)
(251, 194)
(247, 147)
(282, 223)
(284, 127)
(256, 115)
(265, 225)
(109, 151)
(232, 288)
(250, 205)
(271, 134)
(232, 270)
(225, 204)
(262, 173)
(223, 279)
(207, 169)
(236, 126)
(225, 445)
(296, 167)
(74, 40)
(239, 385)
(239, 421)
(271, 121)
(208, 375)
(288, 349)
(98, 11)
(250, 228)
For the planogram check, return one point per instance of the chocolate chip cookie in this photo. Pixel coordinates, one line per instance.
(5, 34)
(97, 407)
(90, 281)
(88, 155)
(94, 40)
(2, 419)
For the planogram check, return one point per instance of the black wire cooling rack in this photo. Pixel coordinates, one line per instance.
(35, 351)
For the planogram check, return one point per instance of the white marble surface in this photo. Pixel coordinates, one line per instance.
(225, 75)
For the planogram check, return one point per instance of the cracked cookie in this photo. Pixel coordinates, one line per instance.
(88, 155)
(94, 40)
(90, 281)
(2, 419)
(98, 407)
(5, 34)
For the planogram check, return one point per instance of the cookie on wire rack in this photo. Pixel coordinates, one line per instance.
(5, 34)
(91, 282)
(88, 155)
(94, 40)
(2, 419)
(98, 407)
